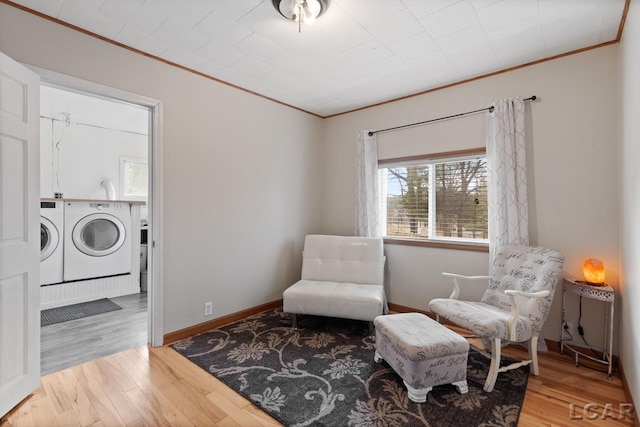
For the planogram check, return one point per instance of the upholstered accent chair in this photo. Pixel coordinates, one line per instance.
(342, 276)
(513, 308)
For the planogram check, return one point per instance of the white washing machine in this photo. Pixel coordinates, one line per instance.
(51, 238)
(97, 240)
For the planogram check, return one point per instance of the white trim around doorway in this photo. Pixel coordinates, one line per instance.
(155, 260)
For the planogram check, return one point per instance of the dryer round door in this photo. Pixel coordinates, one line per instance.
(98, 234)
(49, 238)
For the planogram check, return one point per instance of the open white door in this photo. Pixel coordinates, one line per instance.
(19, 236)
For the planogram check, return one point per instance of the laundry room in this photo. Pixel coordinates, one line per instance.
(94, 180)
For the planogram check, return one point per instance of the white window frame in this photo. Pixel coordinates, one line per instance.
(432, 240)
(124, 160)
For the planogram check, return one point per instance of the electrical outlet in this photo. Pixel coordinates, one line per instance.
(567, 331)
(208, 308)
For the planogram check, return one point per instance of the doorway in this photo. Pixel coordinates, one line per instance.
(81, 130)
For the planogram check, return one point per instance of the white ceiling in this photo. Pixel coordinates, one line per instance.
(360, 52)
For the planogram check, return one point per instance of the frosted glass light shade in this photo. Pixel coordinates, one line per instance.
(307, 10)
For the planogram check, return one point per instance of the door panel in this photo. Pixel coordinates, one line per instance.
(19, 233)
(13, 101)
(12, 215)
(13, 297)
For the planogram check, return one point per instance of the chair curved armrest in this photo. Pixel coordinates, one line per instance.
(515, 311)
(460, 276)
(456, 286)
(539, 294)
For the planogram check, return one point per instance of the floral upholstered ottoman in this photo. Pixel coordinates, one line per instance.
(422, 351)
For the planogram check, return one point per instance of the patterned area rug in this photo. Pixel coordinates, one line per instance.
(77, 311)
(323, 374)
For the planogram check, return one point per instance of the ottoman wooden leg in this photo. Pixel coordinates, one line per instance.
(377, 358)
(461, 386)
(418, 395)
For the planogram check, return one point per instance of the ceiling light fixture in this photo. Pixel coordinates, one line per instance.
(301, 11)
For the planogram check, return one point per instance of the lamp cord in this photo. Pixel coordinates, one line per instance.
(581, 330)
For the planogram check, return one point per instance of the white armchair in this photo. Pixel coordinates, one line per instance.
(342, 276)
(513, 308)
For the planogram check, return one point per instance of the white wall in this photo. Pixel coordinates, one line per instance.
(571, 138)
(241, 174)
(630, 198)
(86, 157)
(76, 157)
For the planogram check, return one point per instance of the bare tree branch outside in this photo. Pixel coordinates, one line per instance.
(460, 190)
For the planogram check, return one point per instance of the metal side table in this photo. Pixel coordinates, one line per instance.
(603, 293)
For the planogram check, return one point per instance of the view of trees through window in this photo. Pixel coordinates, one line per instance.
(445, 199)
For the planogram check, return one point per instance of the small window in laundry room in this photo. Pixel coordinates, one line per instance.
(134, 178)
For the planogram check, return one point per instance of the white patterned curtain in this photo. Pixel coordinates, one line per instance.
(367, 195)
(507, 176)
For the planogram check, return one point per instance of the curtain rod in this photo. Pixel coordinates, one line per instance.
(490, 109)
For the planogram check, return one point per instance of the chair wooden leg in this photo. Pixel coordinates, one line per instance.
(533, 354)
(295, 321)
(495, 365)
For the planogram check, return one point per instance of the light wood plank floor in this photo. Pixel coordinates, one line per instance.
(157, 387)
(77, 341)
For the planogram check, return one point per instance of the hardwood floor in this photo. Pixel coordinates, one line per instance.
(77, 341)
(157, 387)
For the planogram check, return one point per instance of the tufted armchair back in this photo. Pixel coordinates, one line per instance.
(527, 269)
(343, 259)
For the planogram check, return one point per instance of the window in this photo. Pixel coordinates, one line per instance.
(441, 198)
(134, 174)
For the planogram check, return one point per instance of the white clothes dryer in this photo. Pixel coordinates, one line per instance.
(51, 238)
(97, 240)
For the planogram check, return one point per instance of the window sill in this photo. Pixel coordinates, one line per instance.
(462, 246)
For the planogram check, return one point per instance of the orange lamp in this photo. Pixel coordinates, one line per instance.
(593, 270)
